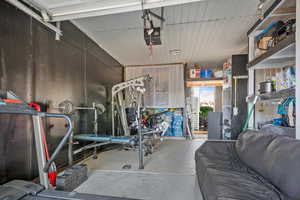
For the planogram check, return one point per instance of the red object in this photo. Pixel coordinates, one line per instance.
(45, 146)
(36, 106)
(12, 101)
(52, 178)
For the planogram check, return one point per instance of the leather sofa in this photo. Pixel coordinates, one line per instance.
(257, 166)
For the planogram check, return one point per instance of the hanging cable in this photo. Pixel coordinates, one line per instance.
(142, 4)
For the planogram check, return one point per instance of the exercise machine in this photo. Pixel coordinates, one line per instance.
(97, 140)
(127, 94)
(11, 104)
(127, 105)
(22, 190)
(68, 108)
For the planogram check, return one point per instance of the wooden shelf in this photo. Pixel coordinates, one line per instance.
(200, 132)
(200, 82)
(204, 79)
(274, 96)
(281, 55)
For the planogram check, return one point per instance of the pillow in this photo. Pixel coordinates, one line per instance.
(275, 157)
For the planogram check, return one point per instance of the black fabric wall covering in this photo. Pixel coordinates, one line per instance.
(40, 69)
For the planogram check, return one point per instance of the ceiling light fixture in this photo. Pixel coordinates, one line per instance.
(175, 52)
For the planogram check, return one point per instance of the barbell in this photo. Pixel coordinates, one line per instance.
(67, 107)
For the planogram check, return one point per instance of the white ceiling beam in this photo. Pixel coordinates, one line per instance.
(99, 8)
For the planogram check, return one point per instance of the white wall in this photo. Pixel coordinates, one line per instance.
(298, 72)
(166, 88)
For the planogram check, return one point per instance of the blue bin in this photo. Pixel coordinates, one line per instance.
(207, 73)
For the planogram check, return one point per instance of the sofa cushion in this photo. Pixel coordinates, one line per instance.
(222, 175)
(279, 130)
(277, 158)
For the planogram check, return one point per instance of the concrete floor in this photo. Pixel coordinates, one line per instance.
(169, 173)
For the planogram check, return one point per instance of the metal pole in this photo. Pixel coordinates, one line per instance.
(112, 116)
(123, 114)
(96, 119)
(95, 127)
(63, 141)
(84, 108)
(40, 150)
(141, 150)
(70, 148)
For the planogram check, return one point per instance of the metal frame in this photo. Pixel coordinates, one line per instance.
(25, 190)
(71, 140)
(90, 146)
(141, 141)
(253, 62)
(43, 164)
(141, 137)
(41, 158)
(251, 81)
(268, 13)
(137, 84)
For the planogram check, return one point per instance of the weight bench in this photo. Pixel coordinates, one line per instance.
(103, 138)
(100, 140)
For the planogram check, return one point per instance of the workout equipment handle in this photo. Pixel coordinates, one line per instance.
(62, 142)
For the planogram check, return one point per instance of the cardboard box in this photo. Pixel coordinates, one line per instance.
(264, 43)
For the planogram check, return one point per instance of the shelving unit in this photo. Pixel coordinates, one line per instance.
(279, 10)
(282, 54)
(274, 96)
(190, 82)
(204, 79)
(204, 82)
(279, 56)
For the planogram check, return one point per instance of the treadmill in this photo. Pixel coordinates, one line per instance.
(24, 190)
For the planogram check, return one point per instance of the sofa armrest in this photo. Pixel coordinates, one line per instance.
(217, 147)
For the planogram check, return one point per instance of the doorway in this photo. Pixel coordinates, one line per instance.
(204, 99)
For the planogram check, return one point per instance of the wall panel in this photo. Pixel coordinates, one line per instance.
(38, 68)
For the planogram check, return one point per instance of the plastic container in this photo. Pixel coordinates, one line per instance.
(218, 74)
(279, 121)
(207, 73)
